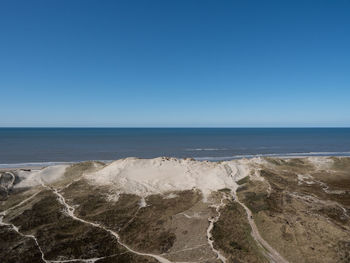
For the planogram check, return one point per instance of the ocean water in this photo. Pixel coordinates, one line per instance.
(32, 146)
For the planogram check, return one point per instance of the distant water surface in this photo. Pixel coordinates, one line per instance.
(42, 145)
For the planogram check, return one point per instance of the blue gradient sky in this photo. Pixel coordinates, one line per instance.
(175, 63)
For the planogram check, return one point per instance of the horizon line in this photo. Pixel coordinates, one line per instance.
(174, 127)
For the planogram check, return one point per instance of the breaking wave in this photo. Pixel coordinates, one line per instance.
(205, 149)
(226, 158)
(207, 158)
(41, 164)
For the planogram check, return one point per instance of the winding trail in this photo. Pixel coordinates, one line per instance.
(212, 221)
(70, 212)
(20, 203)
(89, 260)
(185, 249)
(314, 199)
(16, 229)
(273, 255)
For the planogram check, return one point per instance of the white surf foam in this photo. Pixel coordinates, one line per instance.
(281, 155)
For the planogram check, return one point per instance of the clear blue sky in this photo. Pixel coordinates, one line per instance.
(175, 63)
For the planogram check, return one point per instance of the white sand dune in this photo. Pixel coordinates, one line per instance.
(35, 177)
(161, 175)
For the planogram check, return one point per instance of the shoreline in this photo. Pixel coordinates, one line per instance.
(40, 165)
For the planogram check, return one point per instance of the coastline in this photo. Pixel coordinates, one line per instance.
(40, 165)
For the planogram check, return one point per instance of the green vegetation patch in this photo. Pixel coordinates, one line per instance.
(143, 228)
(16, 248)
(61, 236)
(243, 180)
(340, 163)
(231, 234)
(93, 205)
(256, 202)
(242, 188)
(150, 229)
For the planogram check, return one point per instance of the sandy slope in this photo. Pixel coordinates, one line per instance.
(157, 176)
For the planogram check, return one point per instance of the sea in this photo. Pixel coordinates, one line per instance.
(45, 146)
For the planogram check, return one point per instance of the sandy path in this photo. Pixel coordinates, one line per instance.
(70, 212)
(16, 229)
(273, 255)
(211, 225)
